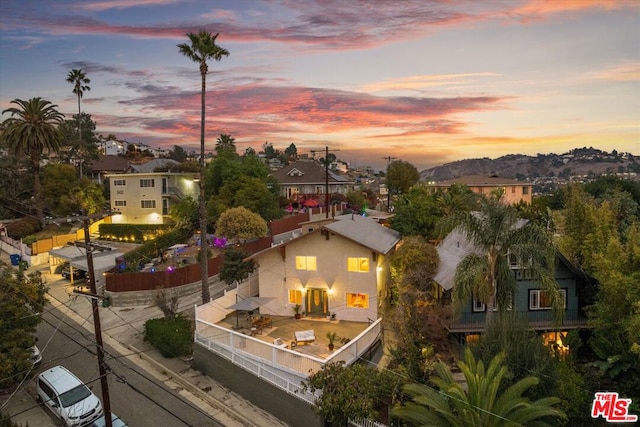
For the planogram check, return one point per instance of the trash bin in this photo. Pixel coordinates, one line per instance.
(15, 259)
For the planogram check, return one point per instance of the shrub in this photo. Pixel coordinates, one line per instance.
(172, 337)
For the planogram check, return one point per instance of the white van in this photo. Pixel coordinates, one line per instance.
(68, 397)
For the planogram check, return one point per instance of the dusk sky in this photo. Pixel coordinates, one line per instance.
(426, 81)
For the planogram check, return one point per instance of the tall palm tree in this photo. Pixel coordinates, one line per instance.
(478, 405)
(203, 47)
(225, 142)
(499, 237)
(32, 129)
(80, 83)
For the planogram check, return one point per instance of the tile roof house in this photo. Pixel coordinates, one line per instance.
(341, 267)
(307, 179)
(514, 191)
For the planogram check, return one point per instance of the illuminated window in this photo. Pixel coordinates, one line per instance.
(306, 263)
(295, 297)
(541, 300)
(358, 300)
(360, 265)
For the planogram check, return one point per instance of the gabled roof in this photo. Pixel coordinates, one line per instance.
(307, 172)
(109, 164)
(151, 165)
(480, 181)
(365, 231)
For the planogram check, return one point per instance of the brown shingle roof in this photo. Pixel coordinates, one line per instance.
(109, 164)
(307, 172)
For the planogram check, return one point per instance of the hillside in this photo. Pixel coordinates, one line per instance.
(580, 162)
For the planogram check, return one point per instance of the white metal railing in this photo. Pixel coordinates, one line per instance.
(282, 367)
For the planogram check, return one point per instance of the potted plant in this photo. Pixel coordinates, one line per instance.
(332, 336)
(296, 309)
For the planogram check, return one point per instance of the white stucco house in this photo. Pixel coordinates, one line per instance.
(340, 267)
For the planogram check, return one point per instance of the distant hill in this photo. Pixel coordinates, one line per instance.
(580, 162)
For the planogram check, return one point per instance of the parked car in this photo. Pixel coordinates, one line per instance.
(115, 421)
(77, 273)
(67, 397)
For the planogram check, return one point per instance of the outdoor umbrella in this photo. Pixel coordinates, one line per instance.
(311, 203)
(248, 304)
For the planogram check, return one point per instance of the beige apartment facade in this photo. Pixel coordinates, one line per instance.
(145, 198)
(514, 191)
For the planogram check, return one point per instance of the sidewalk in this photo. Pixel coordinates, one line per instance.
(122, 329)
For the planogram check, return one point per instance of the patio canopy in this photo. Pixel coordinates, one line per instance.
(178, 246)
(250, 303)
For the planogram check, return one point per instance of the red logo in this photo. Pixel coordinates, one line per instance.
(613, 409)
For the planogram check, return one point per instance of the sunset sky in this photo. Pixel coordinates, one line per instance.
(424, 81)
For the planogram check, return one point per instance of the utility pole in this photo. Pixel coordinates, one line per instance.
(389, 159)
(106, 402)
(326, 176)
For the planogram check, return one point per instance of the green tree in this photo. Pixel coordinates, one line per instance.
(416, 213)
(201, 49)
(269, 151)
(80, 83)
(185, 213)
(480, 404)
(291, 152)
(253, 194)
(22, 299)
(178, 154)
(240, 224)
(349, 392)
(225, 142)
(89, 196)
(32, 130)
(497, 233)
(524, 353)
(401, 176)
(234, 268)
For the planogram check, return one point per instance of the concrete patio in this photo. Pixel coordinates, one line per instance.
(284, 328)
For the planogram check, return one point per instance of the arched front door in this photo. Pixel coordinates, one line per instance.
(317, 302)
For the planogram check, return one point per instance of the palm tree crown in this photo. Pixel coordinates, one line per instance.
(478, 405)
(32, 129)
(202, 48)
(500, 237)
(225, 142)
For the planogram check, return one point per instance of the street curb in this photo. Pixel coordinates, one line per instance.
(161, 369)
(191, 387)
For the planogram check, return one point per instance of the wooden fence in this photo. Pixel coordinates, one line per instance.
(167, 279)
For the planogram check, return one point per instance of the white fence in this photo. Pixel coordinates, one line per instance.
(282, 367)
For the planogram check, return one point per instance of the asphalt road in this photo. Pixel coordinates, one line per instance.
(136, 396)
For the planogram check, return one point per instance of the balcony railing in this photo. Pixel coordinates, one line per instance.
(536, 319)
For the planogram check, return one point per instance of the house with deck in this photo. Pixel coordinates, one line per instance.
(308, 179)
(332, 266)
(340, 268)
(530, 302)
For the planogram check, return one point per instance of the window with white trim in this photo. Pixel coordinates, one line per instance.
(539, 299)
(308, 263)
(147, 182)
(119, 203)
(478, 307)
(148, 204)
(119, 182)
